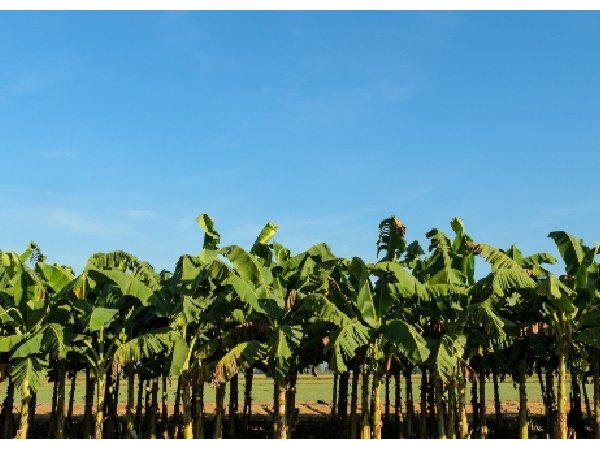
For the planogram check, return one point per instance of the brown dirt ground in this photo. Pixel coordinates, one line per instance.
(314, 408)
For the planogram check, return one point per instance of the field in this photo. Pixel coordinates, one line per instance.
(313, 395)
(217, 316)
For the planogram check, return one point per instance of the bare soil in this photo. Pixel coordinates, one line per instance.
(313, 408)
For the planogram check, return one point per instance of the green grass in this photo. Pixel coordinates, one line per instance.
(308, 389)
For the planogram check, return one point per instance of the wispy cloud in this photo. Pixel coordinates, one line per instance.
(90, 223)
(141, 214)
(26, 84)
(74, 221)
(30, 82)
(351, 100)
(557, 216)
(61, 153)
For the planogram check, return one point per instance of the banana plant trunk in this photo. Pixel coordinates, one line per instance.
(432, 406)
(423, 419)
(199, 404)
(596, 375)
(523, 420)
(147, 406)
(7, 410)
(52, 427)
(343, 397)
(354, 403)
(275, 407)
(88, 418)
(176, 410)
(109, 423)
(463, 425)
(99, 405)
(281, 431)
(32, 406)
(194, 386)
(576, 411)
(376, 401)
(499, 426)
(334, 403)
(439, 400)
(475, 405)
(117, 386)
(562, 393)
(164, 409)
(398, 413)
(139, 405)
(114, 412)
(365, 432)
(186, 400)
(60, 400)
(247, 413)
(24, 418)
(387, 406)
(129, 416)
(291, 400)
(71, 399)
(220, 398)
(482, 406)
(233, 404)
(410, 405)
(452, 408)
(550, 395)
(100, 380)
(153, 410)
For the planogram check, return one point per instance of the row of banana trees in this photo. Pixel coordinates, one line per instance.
(230, 311)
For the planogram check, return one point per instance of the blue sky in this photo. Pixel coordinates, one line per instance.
(118, 128)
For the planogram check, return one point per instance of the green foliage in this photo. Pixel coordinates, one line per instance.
(239, 358)
(27, 370)
(8, 343)
(345, 342)
(403, 282)
(391, 239)
(230, 309)
(127, 284)
(55, 276)
(406, 340)
(144, 346)
(180, 356)
(446, 353)
(247, 266)
(101, 317)
(211, 237)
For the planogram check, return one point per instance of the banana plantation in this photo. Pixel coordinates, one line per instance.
(227, 313)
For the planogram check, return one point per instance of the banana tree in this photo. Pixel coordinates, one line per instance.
(364, 324)
(510, 290)
(26, 334)
(588, 334)
(22, 319)
(530, 345)
(262, 281)
(447, 274)
(395, 248)
(149, 350)
(59, 337)
(367, 319)
(463, 315)
(196, 290)
(272, 284)
(334, 331)
(567, 302)
(108, 298)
